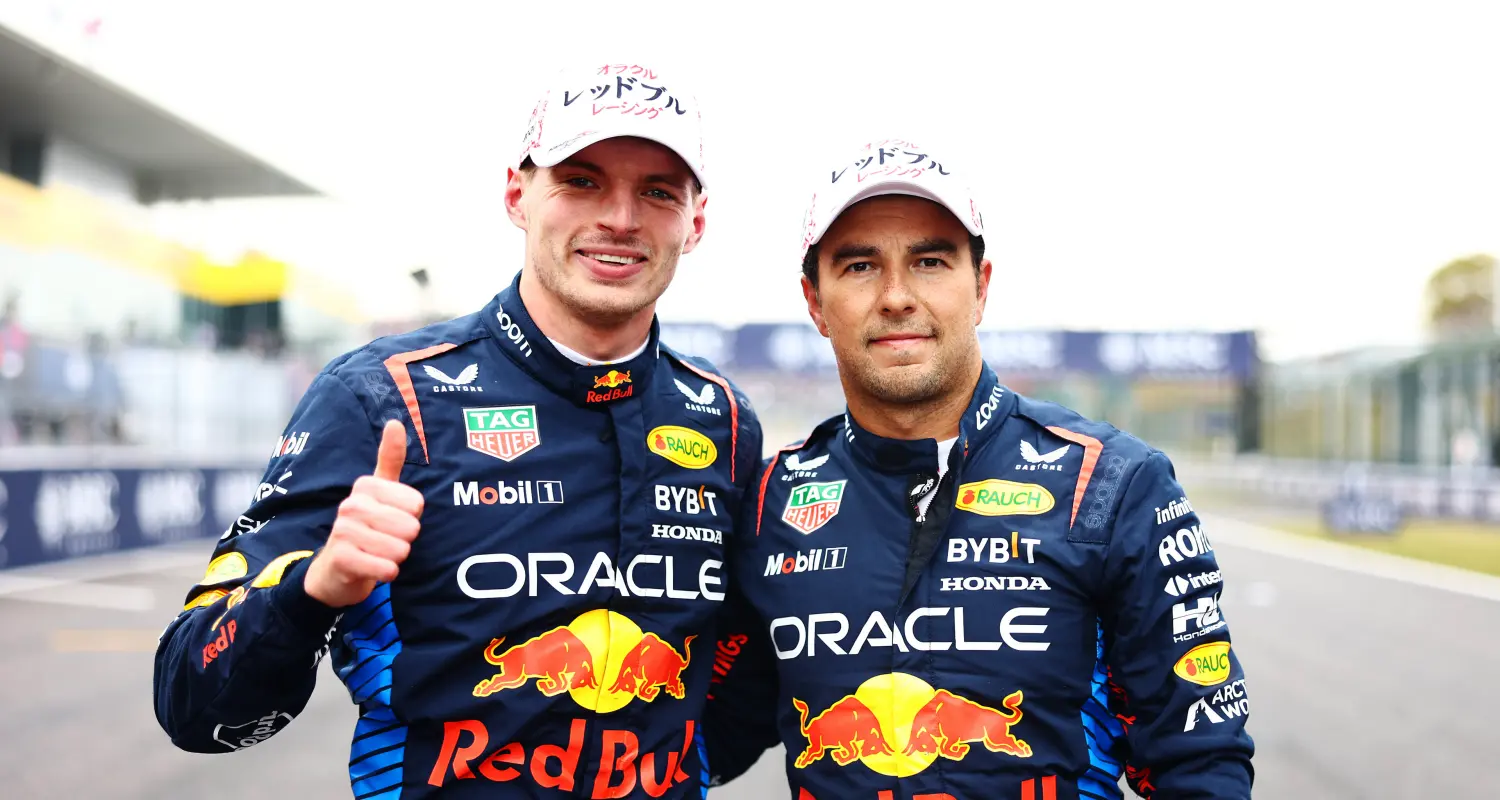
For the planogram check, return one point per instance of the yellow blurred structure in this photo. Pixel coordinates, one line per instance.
(58, 219)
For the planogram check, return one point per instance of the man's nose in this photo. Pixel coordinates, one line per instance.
(619, 212)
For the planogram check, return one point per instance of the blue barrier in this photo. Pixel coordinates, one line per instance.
(50, 515)
(799, 348)
(1362, 512)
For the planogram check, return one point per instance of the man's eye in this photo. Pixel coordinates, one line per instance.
(660, 194)
(930, 262)
(859, 266)
(580, 183)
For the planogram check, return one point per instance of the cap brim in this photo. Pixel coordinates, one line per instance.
(958, 207)
(557, 153)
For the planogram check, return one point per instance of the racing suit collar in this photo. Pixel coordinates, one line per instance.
(988, 407)
(518, 337)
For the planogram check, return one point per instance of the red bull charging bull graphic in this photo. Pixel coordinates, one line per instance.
(602, 660)
(557, 658)
(611, 382)
(651, 667)
(898, 725)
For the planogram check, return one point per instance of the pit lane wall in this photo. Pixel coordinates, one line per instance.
(55, 514)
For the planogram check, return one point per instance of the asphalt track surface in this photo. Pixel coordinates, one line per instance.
(1363, 683)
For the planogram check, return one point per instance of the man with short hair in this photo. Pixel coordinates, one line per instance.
(509, 528)
(962, 592)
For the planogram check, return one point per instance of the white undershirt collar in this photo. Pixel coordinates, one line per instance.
(583, 360)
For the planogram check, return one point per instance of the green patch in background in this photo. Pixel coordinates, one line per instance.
(1467, 545)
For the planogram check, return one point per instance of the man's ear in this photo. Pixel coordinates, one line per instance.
(699, 220)
(985, 269)
(814, 305)
(515, 188)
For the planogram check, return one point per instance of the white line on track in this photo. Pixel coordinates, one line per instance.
(74, 582)
(1233, 532)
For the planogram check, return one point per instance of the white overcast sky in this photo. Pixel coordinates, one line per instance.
(1297, 168)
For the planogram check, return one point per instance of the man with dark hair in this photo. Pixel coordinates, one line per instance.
(951, 592)
(508, 528)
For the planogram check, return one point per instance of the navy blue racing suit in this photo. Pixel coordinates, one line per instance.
(1049, 621)
(551, 633)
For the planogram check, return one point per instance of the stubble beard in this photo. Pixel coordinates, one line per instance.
(602, 304)
(912, 385)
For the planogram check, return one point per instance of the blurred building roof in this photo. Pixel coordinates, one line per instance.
(42, 92)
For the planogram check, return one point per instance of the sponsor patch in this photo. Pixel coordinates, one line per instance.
(684, 447)
(1000, 498)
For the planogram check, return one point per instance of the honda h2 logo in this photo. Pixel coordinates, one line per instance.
(1202, 618)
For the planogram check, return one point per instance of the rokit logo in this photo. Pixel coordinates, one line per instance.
(1178, 585)
(686, 500)
(1190, 542)
(1202, 618)
(250, 734)
(471, 493)
(814, 560)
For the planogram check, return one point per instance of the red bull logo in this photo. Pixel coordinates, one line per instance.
(623, 769)
(557, 659)
(898, 725)
(610, 382)
(611, 379)
(1029, 787)
(219, 645)
(581, 659)
(653, 666)
(948, 723)
(848, 728)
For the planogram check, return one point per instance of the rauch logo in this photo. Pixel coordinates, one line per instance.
(997, 498)
(682, 446)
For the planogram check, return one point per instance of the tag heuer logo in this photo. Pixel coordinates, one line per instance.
(505, 432)
(812, 505)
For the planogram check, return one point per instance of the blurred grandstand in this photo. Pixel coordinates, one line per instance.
(169, 369)
(113, 336)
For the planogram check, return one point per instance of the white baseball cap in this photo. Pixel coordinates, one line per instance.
(602, 102)
(889, 166)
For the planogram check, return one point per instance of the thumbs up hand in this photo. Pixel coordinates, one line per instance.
(373, 532)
